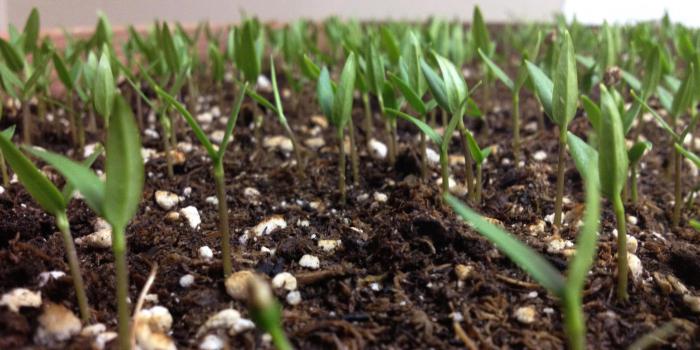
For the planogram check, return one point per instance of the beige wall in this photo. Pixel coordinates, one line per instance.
(82, 13)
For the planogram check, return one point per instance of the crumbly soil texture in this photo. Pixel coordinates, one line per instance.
(392, 281)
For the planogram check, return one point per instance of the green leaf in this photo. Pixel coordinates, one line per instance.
(498, 72)
(31, 31)
(659, 119)
(390, 44)
(586, 242)
(10, 81)
(455, 86)
(169, 51)
(342, 104)
(683, 98)
(631, 80)
(652, 73)
(413, 99)
(231, 123)
(62, 71)
(543, 87)
(592, 112)
(37, 184)
(276, 92)
(425, 128)
(636, 152)
(612, 158)
(217, 63)
(480, 34)
(13, 58)
(103, 88)
(375, 70)
(246, 53)
(309, 68)
(688, 154)
(585, 157)
(472, 109)
(525, 257)
(474, 149)
(436, 85)
(565, 93)
(124, 167)
(326, 96)
(447, 134)
(191, 121)
(68, 188)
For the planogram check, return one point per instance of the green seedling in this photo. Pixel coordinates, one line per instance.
(514, 87)
(682, 101)
(452, 95)
(479, 155)
(54, 202)
(569, 288)
(336, 105)
(103, 87)
(266, 312)
(482, 42)
(69, 79)
(116, 199)
(217, 158)
(248, 52)
(559, 100)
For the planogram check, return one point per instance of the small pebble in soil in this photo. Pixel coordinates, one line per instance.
(186, 281)
(212, 342)
(278, 143)
(525, 314)
(93, 330)
(635, 266)
(433, 157)
(558, 245)
(46, 276)
(191, 214)
(185, 147)
(20, 297)
(294, 298)
(537, 228)
(56, 325)
(632, 219)
(227, 319)
(172, 216)
(457, 316)
(237, 284)
(98, 239)
(158, 318)
(205, 118)
(455, 188)
(319, 120)
(315, 142)
(362, 197)
(187, 191)
(329, 245)
(284, 280)
(205, 253)
(463, 271)
(269, 225)
(2, 190)
(377, 149)
(166, 200)
(380, 197)
(212, 200)
(217, 136)
(151, 133)
(310, 262)
(378, 287)
(549, 218)
(303, 223)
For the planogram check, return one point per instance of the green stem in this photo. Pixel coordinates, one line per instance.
(122, 274)
(678, 197)
(354, 160)
(477, 191)
(574, 320)
(26, 123)
(280, 339)
(622, 268)
(369, 129)
(3, 170)
(468, 171)
(634, 195)
(560, 177)
(295, 147)
(341, 165)
(73, 127)
(516, 127)
(444, 168)
(423, 157)
(223, 217)
(74, 266)
(139, 109)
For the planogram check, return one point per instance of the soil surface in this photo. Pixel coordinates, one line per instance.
(392, 282)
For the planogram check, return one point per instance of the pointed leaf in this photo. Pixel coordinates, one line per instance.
(565, 93)
(585, 157)
(416, 102)
(231, 123)
(13, 58)
(637, 151)
(436, 85)
(103, 87)
(326, 96)
(31, 31)
(543, 87)
(612, 158)
(497, 71)
(425, 128)
(342, 104)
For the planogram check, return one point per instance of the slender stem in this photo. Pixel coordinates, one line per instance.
(633, 183)
(3, 170)
(468, 171)
(477, 191)
(74, 266)
(368, 125)
(516, 127)
(41, 106)
(92, 120)
(678, 197)
(71, 118)
(26, 123)
(389, 142)
(622, 268)
(423, 157)
(394, 136)
(354, 160)
(341, 165)
(574, 320)
(280, 339)
(223, 217)
(560, 177)
(444, 168)
(139, 108)
(295, 147)
(119, 251)
(173, 129)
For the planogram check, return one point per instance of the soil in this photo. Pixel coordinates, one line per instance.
(392, 284)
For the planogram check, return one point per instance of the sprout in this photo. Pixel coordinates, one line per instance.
(116, 199)
(266, 312)
(568, 289)
(217, 158)
(336, 105)
(559, 101)
(69, 79)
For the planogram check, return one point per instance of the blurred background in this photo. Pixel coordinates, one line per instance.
(83, 13)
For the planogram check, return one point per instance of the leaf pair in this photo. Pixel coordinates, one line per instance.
(449, 90)
(249, 49)
(336, 103)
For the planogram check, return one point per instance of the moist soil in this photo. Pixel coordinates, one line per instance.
(392, 283)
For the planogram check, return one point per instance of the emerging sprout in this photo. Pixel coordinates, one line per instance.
(116, 199)
(568, 289)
